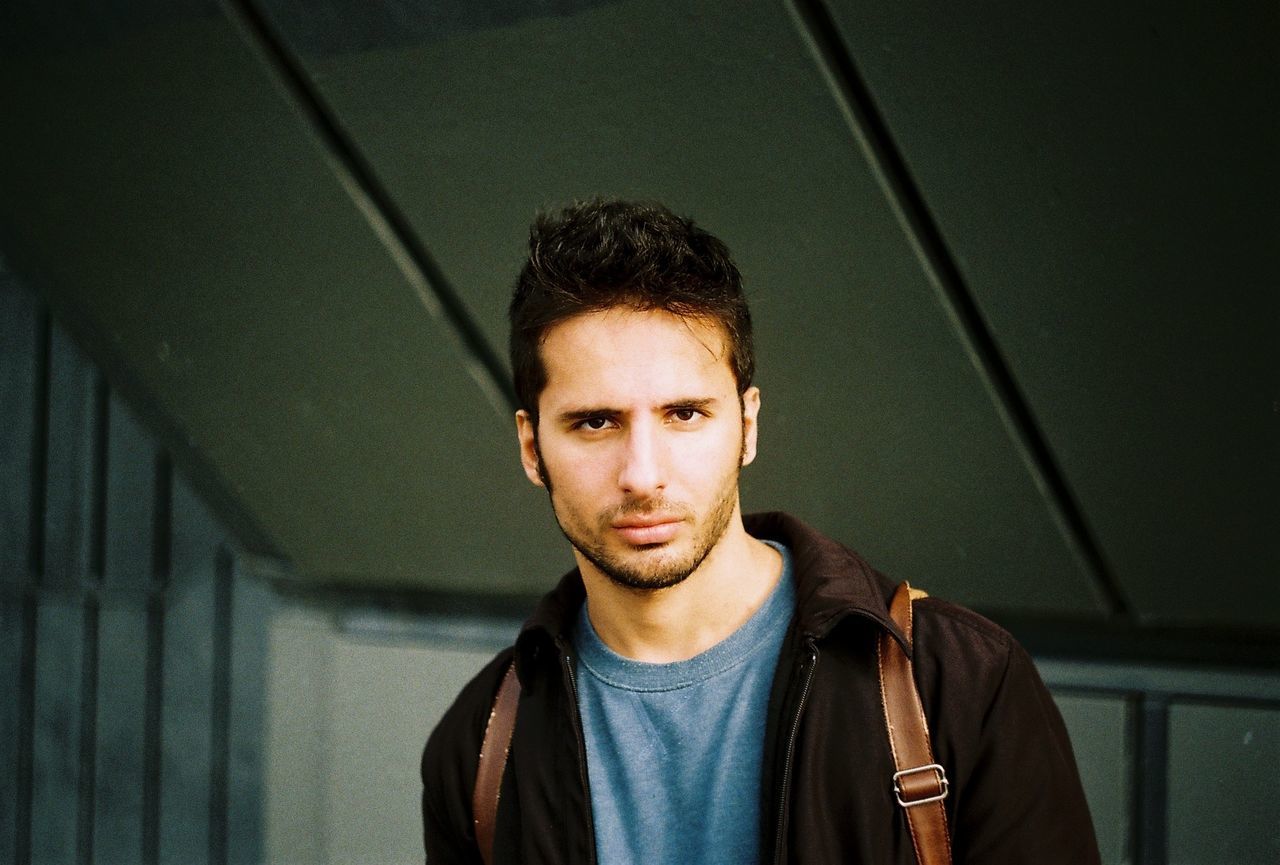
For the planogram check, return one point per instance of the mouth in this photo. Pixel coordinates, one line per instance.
(647, 531)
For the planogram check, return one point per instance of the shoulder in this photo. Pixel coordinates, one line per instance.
(976, 680)
(996, 728)
(956, 650)
(452, 751)
(950, 629)
(464, 721)
(449, 764)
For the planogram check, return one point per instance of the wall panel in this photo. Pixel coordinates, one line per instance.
(1099, 727)
(187, 761)
(123, 736)
(1223, 787)
(21, 349)
(59, 720)
(120, 755)
(12, 739)
(70, 469)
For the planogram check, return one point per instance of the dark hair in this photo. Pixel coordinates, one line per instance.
(597, 255)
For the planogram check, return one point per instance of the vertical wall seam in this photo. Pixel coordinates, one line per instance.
(100, 424)
(817, 25)
(40, 450)
(220, 710)
(153, 731)
(162, 523)
(26, 729)
(1134, 787)
(98, 430)
(1152, 783)
(153, 721)
(87, 778)
(33, 580)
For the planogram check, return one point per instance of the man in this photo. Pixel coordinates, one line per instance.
(703, 688)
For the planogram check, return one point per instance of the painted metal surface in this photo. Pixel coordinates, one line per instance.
(239, 298)
(132, 643)
(240, 209)
(1105, 176)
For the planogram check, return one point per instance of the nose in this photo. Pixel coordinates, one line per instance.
(642, 473)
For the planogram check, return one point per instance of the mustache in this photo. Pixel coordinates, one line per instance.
(647, 508)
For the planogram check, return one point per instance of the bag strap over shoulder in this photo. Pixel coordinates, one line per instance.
(919, 784)
(493, 761)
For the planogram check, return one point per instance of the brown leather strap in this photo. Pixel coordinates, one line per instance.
(493, 761)
(920, 784)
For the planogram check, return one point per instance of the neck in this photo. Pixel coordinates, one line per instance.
(678, 622)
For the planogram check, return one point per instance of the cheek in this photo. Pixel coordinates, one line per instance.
(574, 473)
(710, 458)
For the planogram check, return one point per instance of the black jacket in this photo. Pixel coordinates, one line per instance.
(1015, 794)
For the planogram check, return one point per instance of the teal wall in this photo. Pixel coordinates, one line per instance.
(131, 644)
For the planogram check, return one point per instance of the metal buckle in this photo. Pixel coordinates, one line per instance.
(938, 771)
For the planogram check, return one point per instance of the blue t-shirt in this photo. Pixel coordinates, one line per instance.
(674, 750)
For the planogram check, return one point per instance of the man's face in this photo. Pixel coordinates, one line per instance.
(640, 438)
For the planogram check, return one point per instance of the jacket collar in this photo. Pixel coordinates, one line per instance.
(832, 582)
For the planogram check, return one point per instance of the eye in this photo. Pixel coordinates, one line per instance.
(592, 424)
(685, 415)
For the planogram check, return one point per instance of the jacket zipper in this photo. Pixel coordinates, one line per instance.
(791, 749)
(571, 679)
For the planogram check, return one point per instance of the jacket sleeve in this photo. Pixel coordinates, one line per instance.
(1023, 801)
(448, 768)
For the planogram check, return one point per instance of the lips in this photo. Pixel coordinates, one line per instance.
(643, 531)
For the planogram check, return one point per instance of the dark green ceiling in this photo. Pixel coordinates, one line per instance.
(1013, 273)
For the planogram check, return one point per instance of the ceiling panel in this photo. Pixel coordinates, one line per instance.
(158, 188)
(1101, 176)
(876, 426)
(1105, 176)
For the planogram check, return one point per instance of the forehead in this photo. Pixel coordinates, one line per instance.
(626, 353)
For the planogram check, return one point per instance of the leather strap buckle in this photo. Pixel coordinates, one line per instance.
(920, 787)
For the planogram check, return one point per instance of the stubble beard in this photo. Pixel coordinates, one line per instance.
(663, 573)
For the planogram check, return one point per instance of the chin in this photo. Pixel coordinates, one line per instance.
(633, 572)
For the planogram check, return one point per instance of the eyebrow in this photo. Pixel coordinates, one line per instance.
(573, 415)
(698, 403)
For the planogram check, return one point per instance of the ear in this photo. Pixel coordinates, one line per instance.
(527, 432)
(750, 416)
